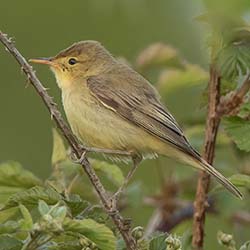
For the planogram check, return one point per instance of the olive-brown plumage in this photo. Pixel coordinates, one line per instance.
(111, 106)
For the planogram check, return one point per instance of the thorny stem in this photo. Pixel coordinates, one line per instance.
(217, 108)
(112, 211)
(212, 125)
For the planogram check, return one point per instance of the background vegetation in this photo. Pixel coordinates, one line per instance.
(178, 66)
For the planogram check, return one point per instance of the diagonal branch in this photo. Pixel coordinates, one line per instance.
(231, 102)
(112, 211)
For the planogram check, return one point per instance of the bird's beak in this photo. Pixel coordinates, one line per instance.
(43, 60)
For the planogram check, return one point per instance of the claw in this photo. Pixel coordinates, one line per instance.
(75, 159)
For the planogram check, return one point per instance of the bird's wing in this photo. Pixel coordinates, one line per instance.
(141, 106)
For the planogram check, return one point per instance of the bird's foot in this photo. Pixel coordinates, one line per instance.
(76, 159)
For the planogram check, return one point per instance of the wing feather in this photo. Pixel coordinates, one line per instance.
(141, 106)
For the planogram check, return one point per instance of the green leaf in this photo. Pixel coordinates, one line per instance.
(10, 243)
(43, 207)
(234, 61)
(96, 213)
(6, 192)
(27, 222)
(32, 196)
(58, 212)
(9, 227)
(76, 204)
(59, 152)
(239, 180)
(101, 235)
(7, 214)
(12, 174)
(239, 131)
(111, 171)
(158, 242)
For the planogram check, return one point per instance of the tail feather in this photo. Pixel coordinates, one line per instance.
(220, 178)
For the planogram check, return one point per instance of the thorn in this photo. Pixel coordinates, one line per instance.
(22, 70)
(46, 89)
(11, 39)
(52, 114)
(27, 83)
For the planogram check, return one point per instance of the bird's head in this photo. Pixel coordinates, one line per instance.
(80, 60)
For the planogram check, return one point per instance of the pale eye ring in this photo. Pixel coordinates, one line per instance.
(72, 61)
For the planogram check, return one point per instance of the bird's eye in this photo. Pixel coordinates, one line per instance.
(72, 61)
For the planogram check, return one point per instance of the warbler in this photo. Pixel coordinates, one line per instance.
(112, 108)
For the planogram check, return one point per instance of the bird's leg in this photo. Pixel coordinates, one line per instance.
(136, 161)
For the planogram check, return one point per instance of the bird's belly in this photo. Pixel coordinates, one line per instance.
(100, 127)
(97, 126)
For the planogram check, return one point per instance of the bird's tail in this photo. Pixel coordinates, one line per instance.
(219, 177)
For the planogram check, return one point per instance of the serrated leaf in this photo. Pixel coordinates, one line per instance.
(32, 196)
(158, 242)
(234, 61)
(76, 204)
(10, 243)
(27, 222)
(6, 192)
(239, 131)
(14, 178)
(239, 180)
(59, 152)
(111, 171)
(101, 235)
(96, 213)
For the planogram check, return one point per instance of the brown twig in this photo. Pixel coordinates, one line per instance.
(230, 103)
(217, 107)
(212, 125)
(112, 211)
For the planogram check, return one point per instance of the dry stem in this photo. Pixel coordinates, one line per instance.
(212, 125)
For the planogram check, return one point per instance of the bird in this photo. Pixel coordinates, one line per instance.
(112, 109)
